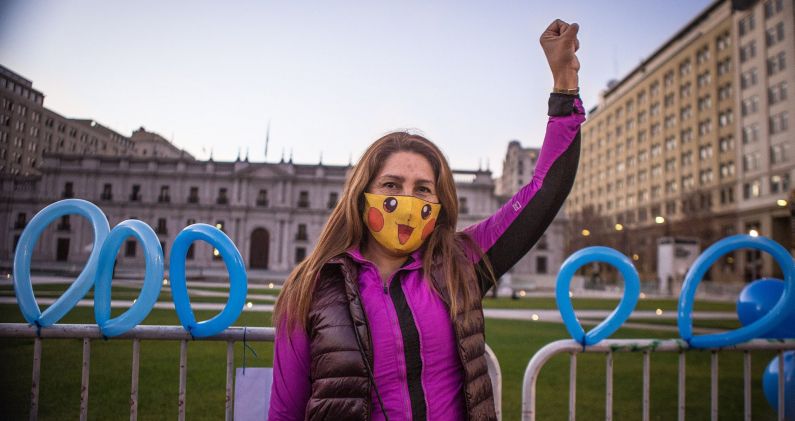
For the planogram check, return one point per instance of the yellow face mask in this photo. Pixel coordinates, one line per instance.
(399, 223)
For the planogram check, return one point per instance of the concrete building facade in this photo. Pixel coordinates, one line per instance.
(28, 130)
(695, 142)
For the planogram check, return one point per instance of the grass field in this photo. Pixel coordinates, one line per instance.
(514, 342)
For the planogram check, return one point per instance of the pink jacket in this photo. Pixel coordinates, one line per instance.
(505, 237)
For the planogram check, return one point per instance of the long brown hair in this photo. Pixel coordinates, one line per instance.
(446, 250)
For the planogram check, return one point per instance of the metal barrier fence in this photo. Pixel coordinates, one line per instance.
(648, 346)
(163, 333)
(142, 332)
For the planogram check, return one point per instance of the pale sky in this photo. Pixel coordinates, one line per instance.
(331, 77)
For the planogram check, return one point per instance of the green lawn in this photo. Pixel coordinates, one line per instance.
(121, 292)
(545, 303)
(514, 342)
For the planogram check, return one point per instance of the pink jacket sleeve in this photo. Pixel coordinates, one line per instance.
(291, 382)
(512, 231)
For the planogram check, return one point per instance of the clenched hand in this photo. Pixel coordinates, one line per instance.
(560, 42)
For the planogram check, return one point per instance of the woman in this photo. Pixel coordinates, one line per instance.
(384, 319)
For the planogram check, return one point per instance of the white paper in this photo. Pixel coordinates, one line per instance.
(252, 393)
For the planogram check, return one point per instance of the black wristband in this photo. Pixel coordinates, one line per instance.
(561, 104)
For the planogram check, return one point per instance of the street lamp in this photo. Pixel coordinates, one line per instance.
(753, 233)
(659, 219)
(586, 232)
(619, 227)
(781, 202)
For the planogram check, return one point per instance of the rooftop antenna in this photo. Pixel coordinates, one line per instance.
(291, 155)
(282, 160)
(211, 153)
(321, 157)
(246, 153)
(267, 140)
(238, 154)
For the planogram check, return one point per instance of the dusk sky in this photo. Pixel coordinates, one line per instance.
(331, 77)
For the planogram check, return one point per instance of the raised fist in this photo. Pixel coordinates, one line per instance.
(560, 42)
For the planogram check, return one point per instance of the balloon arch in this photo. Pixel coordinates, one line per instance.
(766, 307)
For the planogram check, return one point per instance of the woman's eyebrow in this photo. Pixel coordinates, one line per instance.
(393, 177)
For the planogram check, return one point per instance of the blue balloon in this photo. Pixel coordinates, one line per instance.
(153, 257)
(770, 384)
(756, 300)
(766, 323)
(27, 242)
(179, 290)
(625, 306)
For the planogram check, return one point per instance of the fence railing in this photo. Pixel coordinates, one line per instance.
(647, 347)
(142, 332)
(163, 333)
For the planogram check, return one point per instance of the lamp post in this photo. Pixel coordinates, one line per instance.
(753, 233)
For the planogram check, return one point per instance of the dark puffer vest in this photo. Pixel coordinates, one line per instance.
(342, 355)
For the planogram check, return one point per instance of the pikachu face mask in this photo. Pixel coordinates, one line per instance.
(399, 223)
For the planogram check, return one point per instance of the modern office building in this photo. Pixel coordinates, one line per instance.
(28, 130)
(695, 142)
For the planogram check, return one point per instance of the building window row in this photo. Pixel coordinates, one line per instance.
(749, 105)
(724, 66)
(747, 51)
(778, 123)
(749, 78)
(727, 170)
(746, 24)
(775, 34)
(777, 93)
(779, 153)
(773, 7)
(775, 64)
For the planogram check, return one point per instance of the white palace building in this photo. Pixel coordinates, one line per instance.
(273, 212)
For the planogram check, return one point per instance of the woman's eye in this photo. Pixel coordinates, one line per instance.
(390, 185)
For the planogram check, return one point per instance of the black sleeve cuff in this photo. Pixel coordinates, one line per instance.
(561, 104)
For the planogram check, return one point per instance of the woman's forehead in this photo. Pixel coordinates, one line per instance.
(408, 166)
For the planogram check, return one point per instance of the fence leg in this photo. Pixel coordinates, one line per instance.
(230, 368)
(34, 385)
(747, 384)
(646, 384)
(609, 387)
(136, 358)
(681, 386)
(714, 386)
(573, 386)
(85, 377)
(183, 377)
(781, 385)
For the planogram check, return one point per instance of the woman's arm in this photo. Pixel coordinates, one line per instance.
(291, 382)
(512, 231)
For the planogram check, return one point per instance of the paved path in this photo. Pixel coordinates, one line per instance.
(587, 317)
